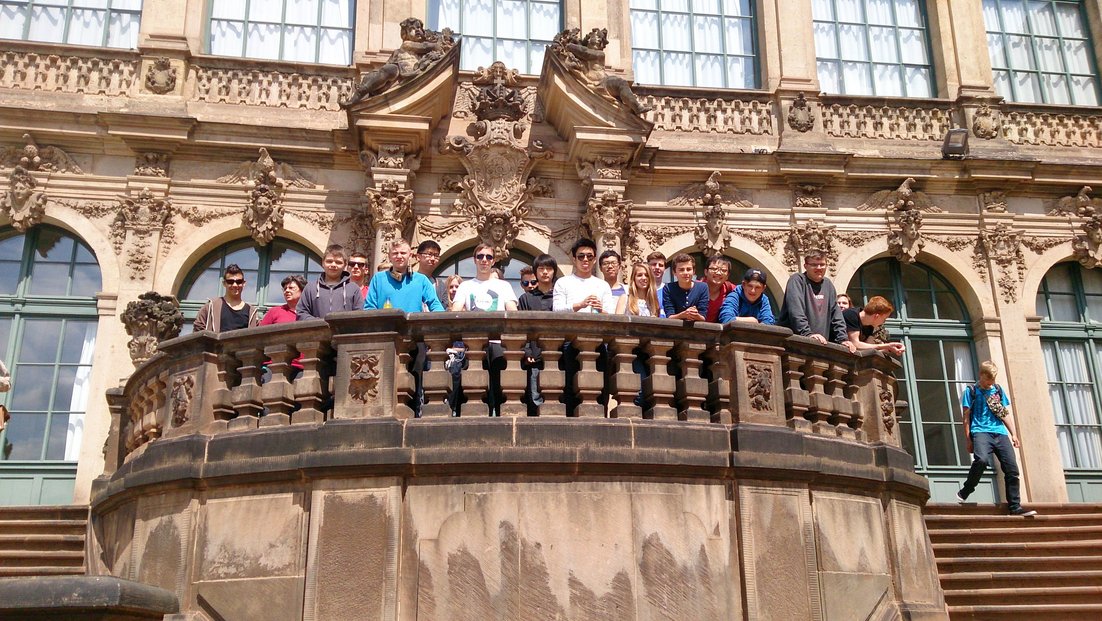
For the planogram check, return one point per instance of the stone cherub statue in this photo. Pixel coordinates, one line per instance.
(585, 57)
(420, 50)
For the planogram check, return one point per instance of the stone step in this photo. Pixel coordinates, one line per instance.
(46, 512)
(1020, 563)
(1047, 532)
(1089, 547)
(939, 522)
(22, 572)
(1025, 595)
(15, 543)
(953, 509)
(43, 527)
(1027, 612)
(1029, 578)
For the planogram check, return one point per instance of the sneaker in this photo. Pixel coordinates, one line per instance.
(1023, 512)
(961, 498)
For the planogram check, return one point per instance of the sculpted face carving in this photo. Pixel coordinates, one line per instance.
(24, 203)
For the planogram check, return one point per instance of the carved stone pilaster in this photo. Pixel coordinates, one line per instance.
(140, 226)
(499, 156)
(606, 218)
(150, 319)
(390, 209)
(802, 239)
(1002, 246)
(23, 202)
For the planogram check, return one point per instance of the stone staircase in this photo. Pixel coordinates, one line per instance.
(996, 567)
(42, 541)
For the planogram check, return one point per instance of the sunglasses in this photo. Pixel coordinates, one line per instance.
(235, 281)
(585, 256)
(484, 257)
(529, 283)
(357, 264)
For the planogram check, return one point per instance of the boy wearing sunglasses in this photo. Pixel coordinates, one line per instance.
(228, 312)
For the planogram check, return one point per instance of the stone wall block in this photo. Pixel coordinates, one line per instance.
(162, 541)
(912, 557)
(854, 572)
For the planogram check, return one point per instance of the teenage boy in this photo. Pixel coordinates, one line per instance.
(399, 288)
(811, 306)
(540, 298)
(748, 301)
(228, 312)
(428, 257)
(719, 269)
(357, 271)
(656, 261)
(581, 291)
(528, 280)
(862, 322)
(685, 298)
(610, 263)
(989, 432)
(333, 291)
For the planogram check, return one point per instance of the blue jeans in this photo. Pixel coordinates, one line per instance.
(984, 447)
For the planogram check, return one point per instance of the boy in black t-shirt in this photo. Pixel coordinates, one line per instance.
(861, 323)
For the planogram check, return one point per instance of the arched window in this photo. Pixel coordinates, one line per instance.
(462, 263)
(939, 364)
(703, 43)
(48, 321)
(1069, 302)
(516, 32)
(873, 47)
(264, 268)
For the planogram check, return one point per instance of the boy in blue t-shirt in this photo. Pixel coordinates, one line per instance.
(988, 433)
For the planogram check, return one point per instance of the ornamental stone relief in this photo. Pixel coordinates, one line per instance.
(807, 196)
(887, 407)
(993, 201)
(29, 71)
(265, 169)
(390, 209)
(180, 399)
(584, 56)
(606, 220)
(986, 122)
(759, 386)
(160, 78)
(1082, 204)
(498, 155)
(1053, 129)
(23, 203)
(392, 156)
(886, 122)
(1088, 244)
(363, 382)
(267, 88)
(151, 164)
(715, 116)
(263, 214)
(1001, 247)
(421, 48)
(800, 115)
(140, 224)
(33, 157)
(903, 198)
(709, 201)
(802, 239)
(150, 319)
(905, 238)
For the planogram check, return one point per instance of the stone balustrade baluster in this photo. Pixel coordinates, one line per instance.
(625, 383)
(660, 387)
(843, 408)
(222, 401)
(822, 405)
(476, 379)
(437, 381)
(796, 399)
(278, 394)
(405, 385)
(552, 379)
(692, 389)
(311, 389)
(850, 392)
(719, 388)
(246, 395)
(514, 378)
(589, 382)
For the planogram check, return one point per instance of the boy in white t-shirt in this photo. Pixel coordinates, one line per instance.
(486, 293)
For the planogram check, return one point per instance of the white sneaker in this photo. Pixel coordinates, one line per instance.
(961, 499)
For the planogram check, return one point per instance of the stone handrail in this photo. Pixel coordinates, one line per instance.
(356, 365)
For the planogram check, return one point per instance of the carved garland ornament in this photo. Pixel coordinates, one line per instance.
(137, 219)
(161, 77)
(23, 202)
(363, 383)
(800, 116)
(887, 407)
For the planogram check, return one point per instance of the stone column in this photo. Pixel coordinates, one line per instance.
(787, 46)
(388, 200)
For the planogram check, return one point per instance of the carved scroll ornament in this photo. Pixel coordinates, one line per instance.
(136, 221)
(33, 157)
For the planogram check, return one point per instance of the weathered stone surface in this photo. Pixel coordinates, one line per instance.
(778, 540)
(82, 598)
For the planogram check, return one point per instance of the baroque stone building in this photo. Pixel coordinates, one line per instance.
(942, 153)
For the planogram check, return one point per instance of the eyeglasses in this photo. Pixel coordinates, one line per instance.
(585, 256)
(484, 257)
(430, 255)
(529, 283)
(235, 281)
(357, 264)
(719, 270)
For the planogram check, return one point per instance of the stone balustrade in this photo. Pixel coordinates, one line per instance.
(357, 365)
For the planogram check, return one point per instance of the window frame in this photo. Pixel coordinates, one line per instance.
(245, 22)
(927, 44)
(754, 56)
(433, 23)
(68, 8)
(1038, 71)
